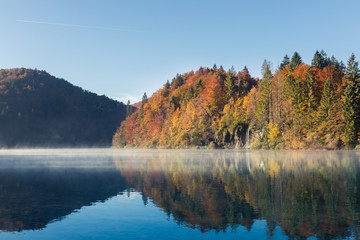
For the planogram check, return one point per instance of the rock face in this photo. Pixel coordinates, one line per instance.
(39, 110)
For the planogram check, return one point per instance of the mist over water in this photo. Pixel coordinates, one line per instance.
(173, 194)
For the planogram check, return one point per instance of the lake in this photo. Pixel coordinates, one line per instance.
(179, 194)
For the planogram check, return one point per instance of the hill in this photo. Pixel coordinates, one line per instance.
(39, 110)
(298, 106)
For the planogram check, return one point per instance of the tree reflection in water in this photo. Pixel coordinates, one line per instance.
(34, 195)
(305, 193)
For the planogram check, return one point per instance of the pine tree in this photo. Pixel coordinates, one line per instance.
(318, 60)
(264, 102)
(327, 101)
(189, 94)
(311, 97)
(350, 105)
(144, 99)
(263, 111)
(143, 102)
(214, 68)
(285, 62)
(298, 97)
(229, 85)
(288, 86)
(167, 85)
(178, 81)
(129, 109)
(295, 61)
(327, 61)
(337, 65)
(232, 70)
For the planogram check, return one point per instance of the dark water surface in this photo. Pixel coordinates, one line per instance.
(179, 194)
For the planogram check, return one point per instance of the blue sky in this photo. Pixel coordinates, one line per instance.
(125, 48)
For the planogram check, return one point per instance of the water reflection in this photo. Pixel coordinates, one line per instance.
(306, 194)
(33, 194)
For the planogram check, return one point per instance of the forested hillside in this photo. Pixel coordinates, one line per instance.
(37, 109)
(297, 106)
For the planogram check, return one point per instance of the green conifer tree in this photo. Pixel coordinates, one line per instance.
(129, 109)
(144, 99)
(167, 85)
(229, 85)
(295, 61)
(178, 80)
(327, 101)
(285, 62)
(350, 105)
(298, 97)
(214, 68)
(263, 110)
(310, 85)
(318, 60)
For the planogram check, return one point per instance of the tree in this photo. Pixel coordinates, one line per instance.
(311, 96)
(337, 65)
(129, 109)
(277, 103)
(167, 85)
(178, 80)
(144, 99)
(350, 105)
(295, 61)
(285, 62)
(232, 70)
(327, 101)
(327, 61)
(318, 60)
(214, 68)
(298, 95)
(264, 102)
(189, 94)
(143, 102)
(229, 85)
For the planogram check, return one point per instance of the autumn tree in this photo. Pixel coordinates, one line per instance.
(244, 82)
(300, 106)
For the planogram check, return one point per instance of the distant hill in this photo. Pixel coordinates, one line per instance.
(39, 110)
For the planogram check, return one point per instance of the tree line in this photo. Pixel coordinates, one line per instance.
(297, 106)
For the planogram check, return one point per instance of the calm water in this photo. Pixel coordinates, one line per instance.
(173, 194)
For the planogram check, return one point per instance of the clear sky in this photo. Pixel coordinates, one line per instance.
(125, 48)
